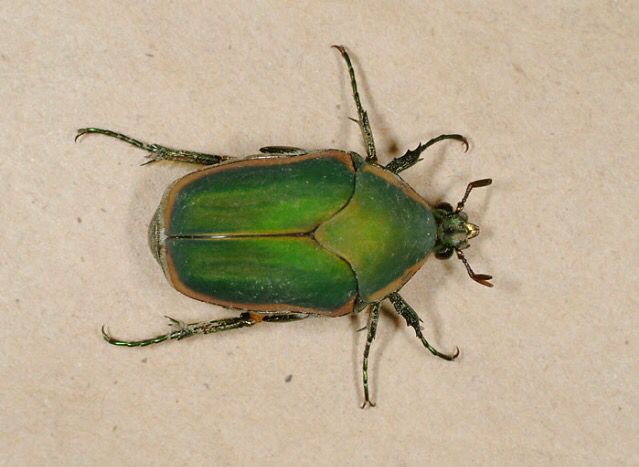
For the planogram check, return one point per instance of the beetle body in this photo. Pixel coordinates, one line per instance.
(292, 233)
(322, 233)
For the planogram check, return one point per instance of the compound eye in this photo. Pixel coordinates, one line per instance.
(444, 207)
(444, 254)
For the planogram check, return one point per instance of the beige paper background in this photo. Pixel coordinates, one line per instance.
(546, 91)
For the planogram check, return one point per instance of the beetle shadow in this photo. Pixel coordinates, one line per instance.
(427, 171)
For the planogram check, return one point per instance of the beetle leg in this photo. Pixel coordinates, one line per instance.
(373, 317)
(284, 150)
(184, 330)
(158, 152)
(412, 156)
(363, 122)
(412, 320)
(283, 317)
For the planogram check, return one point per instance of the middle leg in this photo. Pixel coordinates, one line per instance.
(373, 317)
(361, 113)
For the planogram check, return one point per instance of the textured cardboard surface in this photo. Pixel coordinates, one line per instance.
(548, 94)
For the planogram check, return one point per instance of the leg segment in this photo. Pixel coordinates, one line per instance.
(184, 330)
(361, 113)
(158, 152)
(373, 317)
(284, 317)
(283, 150)
(412, 320)
(412, 156)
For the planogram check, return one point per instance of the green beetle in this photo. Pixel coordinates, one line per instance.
(291, 233)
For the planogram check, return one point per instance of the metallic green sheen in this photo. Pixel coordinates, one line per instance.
(240, 234)
(382, 232)
(242, 199)
(263, 270)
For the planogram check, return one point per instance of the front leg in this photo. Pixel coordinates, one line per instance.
(412, 156)
(364, 125)
(412, 320)
(158, 152)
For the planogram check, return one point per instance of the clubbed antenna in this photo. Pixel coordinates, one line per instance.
(483, 279)
(469, 188)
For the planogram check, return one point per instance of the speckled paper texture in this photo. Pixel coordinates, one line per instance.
(546, 92)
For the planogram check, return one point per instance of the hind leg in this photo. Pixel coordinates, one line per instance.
(157, 152)
(183, 330)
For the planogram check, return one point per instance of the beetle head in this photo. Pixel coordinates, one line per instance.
(454, 231)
